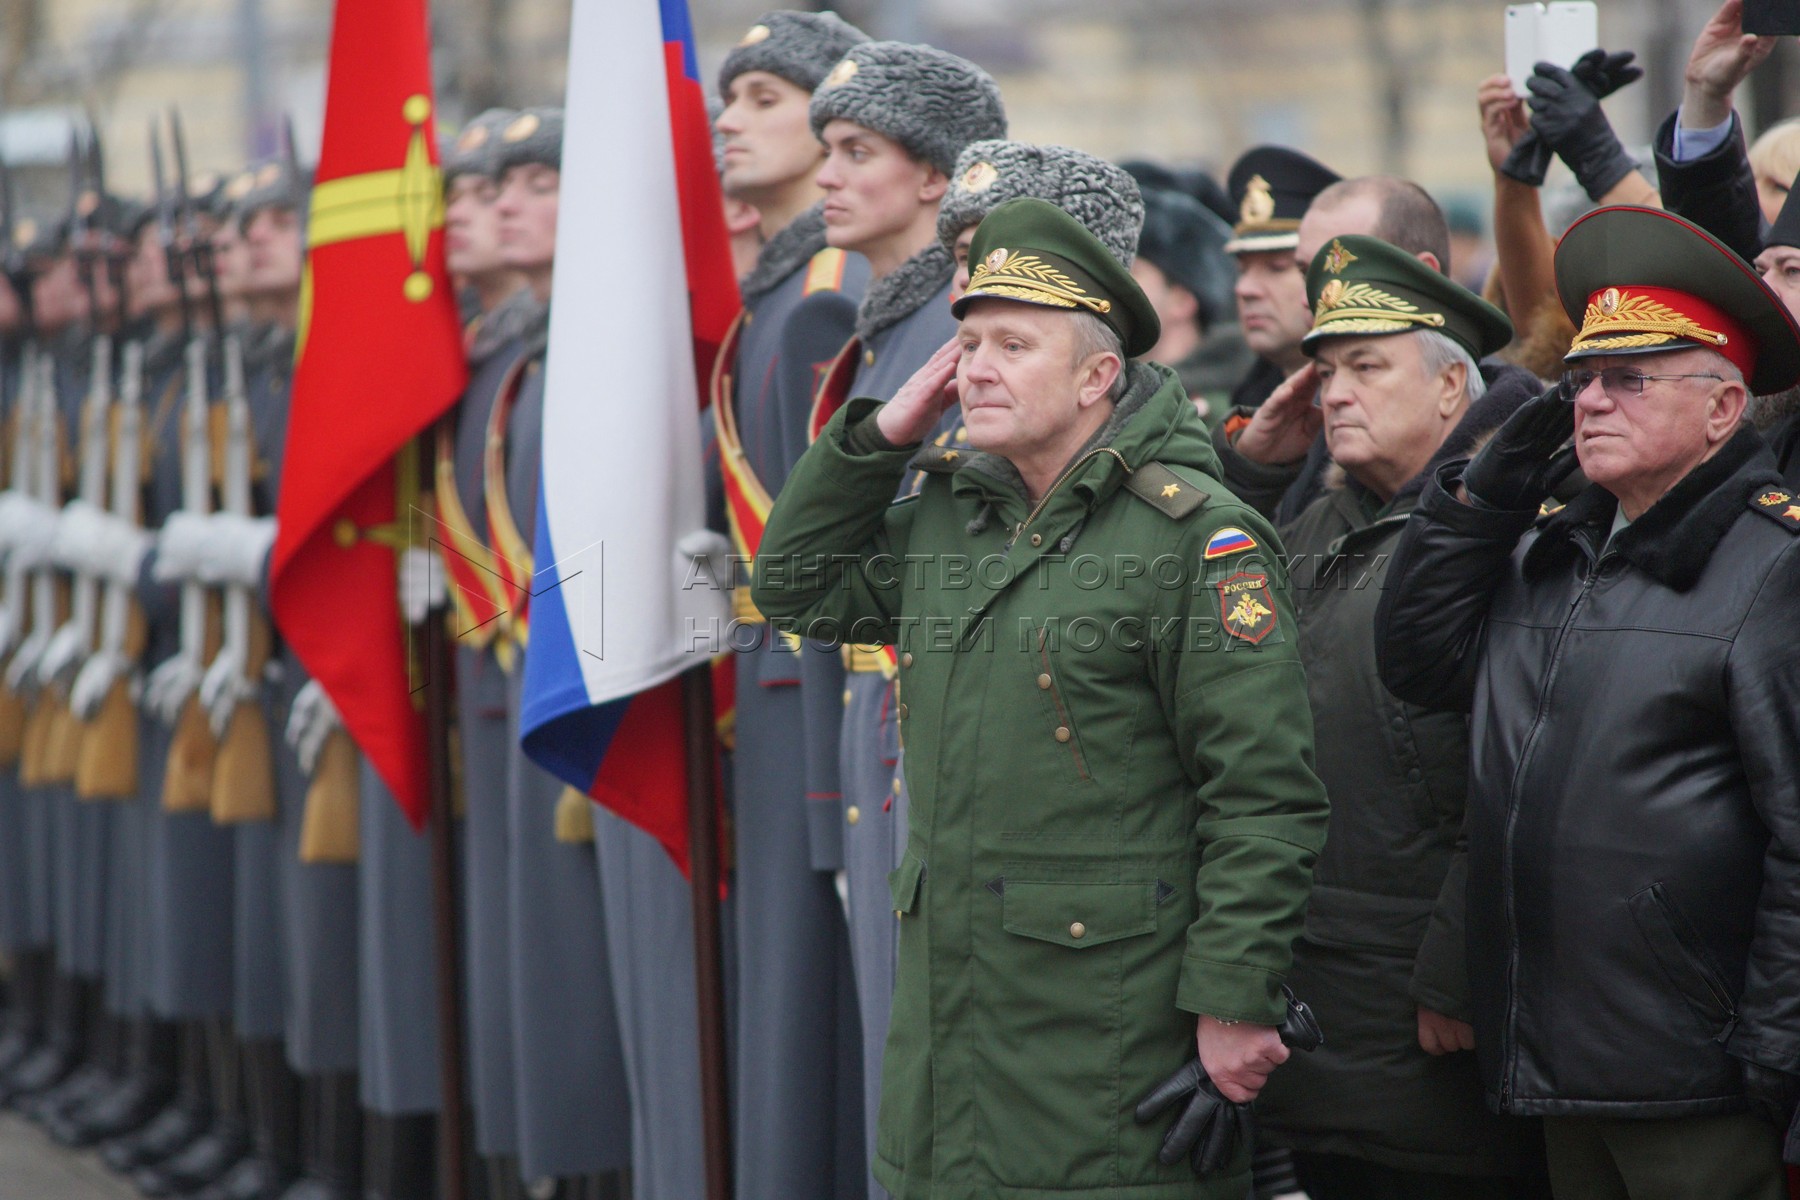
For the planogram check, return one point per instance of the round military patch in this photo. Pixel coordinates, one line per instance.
(842, 73)
(753, 35)
(1246, 607)
(522, 127)
(980, 177)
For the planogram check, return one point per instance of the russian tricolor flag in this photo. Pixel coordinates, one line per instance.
(644, 293)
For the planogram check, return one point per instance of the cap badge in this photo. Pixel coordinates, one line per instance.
(1338, 258)
(841, 74)
(1618, 320)
(1365, 308)
(1019, 276)
(1258, 204)
(980, 177)
(473, 138)
(25, 232)
(522, 127)
(269, 175)
(755, 34)
(240, 186)
(1609, 301)
(996, 260)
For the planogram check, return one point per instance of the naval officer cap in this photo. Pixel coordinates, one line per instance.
(990, 172)
(1362, 286)
(800, 47)
(1645, 281)
(930, 102)
(1272, 187)
(1033, 252)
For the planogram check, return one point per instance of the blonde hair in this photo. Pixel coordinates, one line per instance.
(1776, 153)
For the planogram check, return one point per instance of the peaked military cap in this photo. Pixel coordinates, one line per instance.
(800, 47)
(1186, 242)
(534, 135)
(1362, 286)
(1031, 251)
(990, 172)
(476, 150)
(931, 102)
(1643, 281)
(1272, 187)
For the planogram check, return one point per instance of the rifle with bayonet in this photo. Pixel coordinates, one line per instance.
(173, 690)
(20, 423)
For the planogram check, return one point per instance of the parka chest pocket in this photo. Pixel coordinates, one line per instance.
(1078, 915)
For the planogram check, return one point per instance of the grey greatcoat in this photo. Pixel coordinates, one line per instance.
(494, 348)
(903, 321)
(573, 1109)
(795, 1056)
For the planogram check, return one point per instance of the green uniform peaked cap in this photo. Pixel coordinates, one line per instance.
(1033, 252)
(1362, 286)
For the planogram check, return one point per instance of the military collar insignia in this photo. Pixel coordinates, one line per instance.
(755, 34)
(1014, 274)
(1365, 308)
(1246, 607)
(1779, 507)
(1338, 258)
(1639, 318)
(980, 177)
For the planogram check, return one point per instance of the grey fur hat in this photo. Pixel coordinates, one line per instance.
(930, 102)
(1093, 191)
(801, 47)
(476, 150)
(534, 135)
(269, 185)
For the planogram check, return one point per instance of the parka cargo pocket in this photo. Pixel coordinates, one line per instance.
(1074, 988)
(1683, 958)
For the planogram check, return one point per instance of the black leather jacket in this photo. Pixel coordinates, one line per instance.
(1634, 799)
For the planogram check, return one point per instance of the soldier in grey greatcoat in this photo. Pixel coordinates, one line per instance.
(893, 118)
(793, 1005)
(572, 1102)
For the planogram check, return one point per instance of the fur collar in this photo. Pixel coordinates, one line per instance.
(535, 329)
(505, 323)
(893, 298)
(1674, 540)
(785, 253)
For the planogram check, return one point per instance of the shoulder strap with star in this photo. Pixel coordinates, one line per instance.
(1778, 504)
(1165, 491)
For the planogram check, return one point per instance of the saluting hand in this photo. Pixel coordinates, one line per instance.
(1283, 429)
(921, 400)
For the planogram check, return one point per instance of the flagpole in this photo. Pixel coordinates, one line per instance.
(703, 878)
(453, 1159)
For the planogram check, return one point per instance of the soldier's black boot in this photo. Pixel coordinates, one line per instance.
(272, 1098)
(27, 1008)
(501, 1174)
(98, 1072)
(208, 1157)
(182, 1120)
(60, 1051)
(401, 1159)
(332, 1138)
(147, 1085)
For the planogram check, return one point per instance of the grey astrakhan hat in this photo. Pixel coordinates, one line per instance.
(932, 103)
(990, 172)
(801, 47)
(476, 150)
(534, 135)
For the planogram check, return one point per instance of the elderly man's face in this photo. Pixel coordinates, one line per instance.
(1018, 382)
(1637, 446)
(1386, 411)
(1780, 269)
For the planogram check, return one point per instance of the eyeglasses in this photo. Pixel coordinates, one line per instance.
(1616, 381)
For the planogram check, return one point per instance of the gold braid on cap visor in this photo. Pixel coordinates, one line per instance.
(1620, 321)
(1364, 308)
(1026, 277)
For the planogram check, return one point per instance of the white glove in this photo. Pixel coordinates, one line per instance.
(63, 654)
(223, 688)
(33, 540)
(80, 537)
(221, 548)
(167, 690)
(95, 681)
(712, 552)
(21, 672)
(313, 719)
(18, 513)
(422, 583)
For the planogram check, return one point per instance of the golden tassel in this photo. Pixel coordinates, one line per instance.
(109, 749)
(36, 747)
(574, 817)
(62, 745)
(329, 826)
(12, 726)
(243, 783)
(187, 777)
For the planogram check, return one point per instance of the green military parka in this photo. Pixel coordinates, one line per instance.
(1109, 750)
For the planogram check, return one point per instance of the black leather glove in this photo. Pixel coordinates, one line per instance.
(1522, 463)
(1774, 1095)
(1597, 73)
(1209, 1129)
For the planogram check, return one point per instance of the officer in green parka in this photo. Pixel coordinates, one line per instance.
(1108, 743)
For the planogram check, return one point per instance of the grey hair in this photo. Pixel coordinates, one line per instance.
(1094, 336)
(1724, 366)
(1439, 352)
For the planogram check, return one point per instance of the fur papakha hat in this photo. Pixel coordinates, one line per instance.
(476, 150)
(801, 47)
(534, 135)
(990, 172)
(932, 103)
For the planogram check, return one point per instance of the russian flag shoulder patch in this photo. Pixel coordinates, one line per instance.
(1229, 540)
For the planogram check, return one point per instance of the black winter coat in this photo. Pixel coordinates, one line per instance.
(1634, 801)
